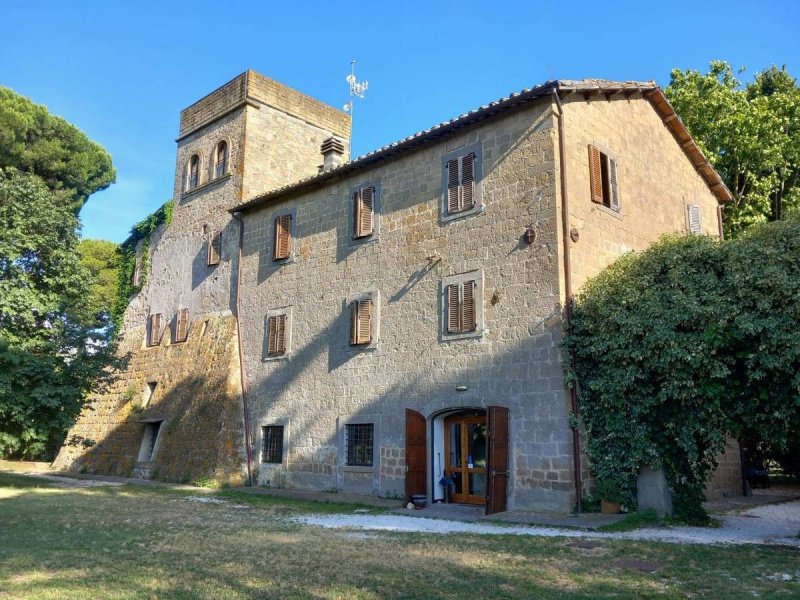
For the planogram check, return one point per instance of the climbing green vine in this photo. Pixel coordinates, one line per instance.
(141, 232)
(684, 346)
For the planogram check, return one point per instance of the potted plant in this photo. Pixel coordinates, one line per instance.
(610, 496)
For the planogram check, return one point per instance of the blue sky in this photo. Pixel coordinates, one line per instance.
(122, 71)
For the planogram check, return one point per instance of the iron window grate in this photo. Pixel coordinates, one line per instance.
(272, 444)
(358, 441)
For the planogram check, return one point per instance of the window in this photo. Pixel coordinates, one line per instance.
(214, 248)
(282, 244)
(363, 212)
(221, 162)
(358, 444)
(461, 182)
(693, 223)
(462, 305)
(182, 325)
(277, 335)
(136, 278)
(272, 444)
(603, 179)
(154, 330)
(361, 321)
(193, 176)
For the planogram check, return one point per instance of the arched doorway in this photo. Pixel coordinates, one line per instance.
(466, 453)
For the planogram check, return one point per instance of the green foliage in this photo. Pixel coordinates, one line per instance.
(750, 133)
(683, 345)
(141, 232)
(32, 140)
(100, 259)
(47, 361)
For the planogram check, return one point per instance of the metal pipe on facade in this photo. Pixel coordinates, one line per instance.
(562, 159)
(242, 374)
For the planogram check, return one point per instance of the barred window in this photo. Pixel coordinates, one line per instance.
(272, 444)
(358, 441)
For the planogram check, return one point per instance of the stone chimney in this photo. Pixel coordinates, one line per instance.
(333, 153)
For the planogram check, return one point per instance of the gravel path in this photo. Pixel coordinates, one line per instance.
(771, 524)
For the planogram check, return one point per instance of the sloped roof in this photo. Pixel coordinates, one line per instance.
(564, 87)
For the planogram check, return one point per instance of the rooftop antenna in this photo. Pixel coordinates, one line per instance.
(357, 90)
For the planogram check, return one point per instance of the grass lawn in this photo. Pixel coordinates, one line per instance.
(143, 542)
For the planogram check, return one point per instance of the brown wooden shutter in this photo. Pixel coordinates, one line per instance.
(468, 181)
(365, 321)
(354, 322)
(214, 247)
(453, 189)
(182, 325)
(453, 309)
(276, 334)
(416, 454)
(136, 279)
(367, 210)
(357, 214)
(612, 180)
(155, 329)
(283, 237)
(468, 307)
(498, 467)
(596, 174)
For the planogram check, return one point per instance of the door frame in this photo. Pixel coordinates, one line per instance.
(465, 470)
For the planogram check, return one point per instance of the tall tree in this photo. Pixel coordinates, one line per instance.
(33, 140)
(751, 134)
(100, 258)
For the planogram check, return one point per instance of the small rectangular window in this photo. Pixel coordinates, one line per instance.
(361, 316)
(693, 221)
(461, 183)
(214, 248)
(154, 330)
(272, 444)
(182, 325)
(276, 335)
(282, 246)
(461, 307)
(136, 278)
(603, 179)
(358, 444)
(363, 212)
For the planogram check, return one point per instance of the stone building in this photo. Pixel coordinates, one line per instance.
(388, 325)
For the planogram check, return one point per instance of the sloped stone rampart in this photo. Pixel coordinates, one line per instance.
(197, 395)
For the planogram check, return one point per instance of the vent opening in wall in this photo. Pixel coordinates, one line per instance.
(205, 326)
(147, 393)
(149, 440)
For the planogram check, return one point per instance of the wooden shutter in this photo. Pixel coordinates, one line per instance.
(276, 333)
(453, 189)
(354, 322)
(136, 279)
(367, 205)
(360, 322)
(155, 329)
(357, 214)
(612, 180)
(283, 237)
(468, 307)
(453, 309)
(693, 219)
(496, 490)
(468, 181)
(596, 174)
(214, 247)
(416, 454)
(182, 325)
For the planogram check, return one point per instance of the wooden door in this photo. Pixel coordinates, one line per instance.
(416, 454)
(498, 460)
(466, 452)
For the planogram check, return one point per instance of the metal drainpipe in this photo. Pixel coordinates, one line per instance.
(242, 374)
(562, 159)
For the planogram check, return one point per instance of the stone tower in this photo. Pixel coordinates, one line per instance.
(172, 410)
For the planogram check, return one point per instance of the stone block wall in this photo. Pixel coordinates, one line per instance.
(197, 396)
(323, 383)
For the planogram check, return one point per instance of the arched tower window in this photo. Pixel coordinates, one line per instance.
(221, 164)
(193, 179)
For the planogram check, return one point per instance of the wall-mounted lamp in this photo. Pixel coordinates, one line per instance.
(530, 235)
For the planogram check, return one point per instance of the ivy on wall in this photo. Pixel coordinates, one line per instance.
(684, 345)
(141, 232)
